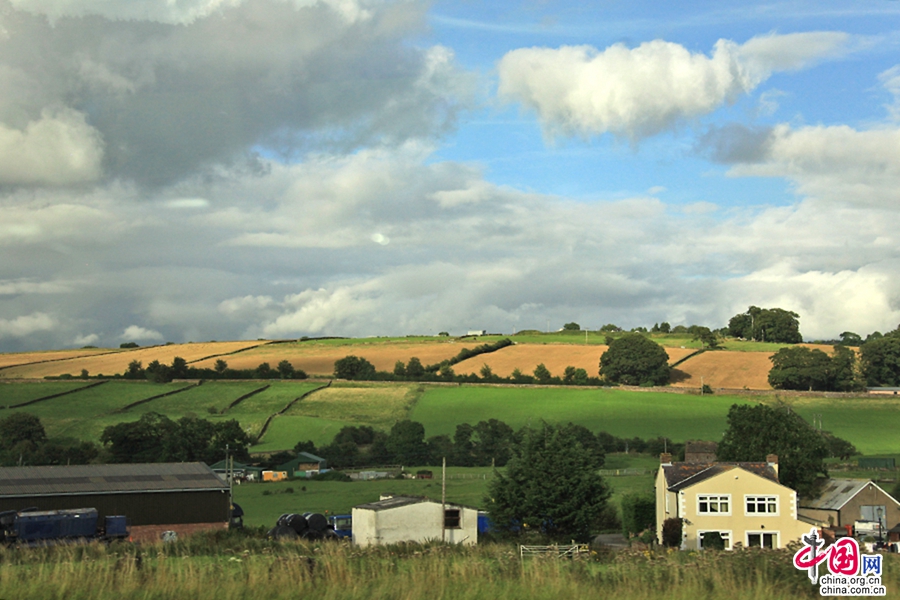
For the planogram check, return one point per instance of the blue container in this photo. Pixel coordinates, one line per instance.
(116, 526)
(57, 524)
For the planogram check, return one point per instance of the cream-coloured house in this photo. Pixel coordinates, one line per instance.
(396, 519)
(742, 501)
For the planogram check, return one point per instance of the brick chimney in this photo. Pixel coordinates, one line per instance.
(772, 461)
(665, 458)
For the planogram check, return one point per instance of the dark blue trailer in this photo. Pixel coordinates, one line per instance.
(51, 526)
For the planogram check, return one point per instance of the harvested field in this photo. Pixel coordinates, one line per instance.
(318, 359)
(556, 357)
(725, 369)
(112, 363)
(25, 358)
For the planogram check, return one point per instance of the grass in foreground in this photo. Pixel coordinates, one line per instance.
(233, 566)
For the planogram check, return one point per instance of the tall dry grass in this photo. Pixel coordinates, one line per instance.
(222, 568)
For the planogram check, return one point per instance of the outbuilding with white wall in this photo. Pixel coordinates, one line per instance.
(395, 519)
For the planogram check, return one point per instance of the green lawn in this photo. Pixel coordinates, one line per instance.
(286, 430)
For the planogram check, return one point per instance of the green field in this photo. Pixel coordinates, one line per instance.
(85, 414)
(621, 413)
(15, 393)
(869, 423)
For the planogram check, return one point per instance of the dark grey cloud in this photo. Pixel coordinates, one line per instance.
(168, 99)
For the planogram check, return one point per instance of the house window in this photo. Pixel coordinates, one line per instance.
(761, 505)
(762, 540)
(715, 540)
(710, 504)
(452, 518)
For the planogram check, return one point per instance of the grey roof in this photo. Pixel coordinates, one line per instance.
(107, 479)
(398, 501)
(682, 475)
(310, 457)
(837, 492)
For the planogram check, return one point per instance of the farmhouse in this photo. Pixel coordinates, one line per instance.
(181, 497)
(396, 519)
(844, 502)
(737, 502)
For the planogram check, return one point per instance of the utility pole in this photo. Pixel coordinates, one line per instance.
(229, 472)
(444, 500)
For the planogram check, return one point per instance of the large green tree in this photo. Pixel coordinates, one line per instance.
(880, 358)
(353, 367)
(551, 486)
(766, 325)
(634, 359)
(755, 431)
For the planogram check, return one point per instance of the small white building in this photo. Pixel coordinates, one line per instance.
(413, 519)
(477, 332)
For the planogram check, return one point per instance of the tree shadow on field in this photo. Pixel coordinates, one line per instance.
(677, 376)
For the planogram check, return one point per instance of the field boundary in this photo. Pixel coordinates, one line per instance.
(57, 395)
(260, 345)
(268, 422)
(684, 358)
(156, 397)
(52, 360)
(245, 396)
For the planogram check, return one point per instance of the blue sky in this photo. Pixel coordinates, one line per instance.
(223, 169)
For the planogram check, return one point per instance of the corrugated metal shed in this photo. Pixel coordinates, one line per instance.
(107, 479)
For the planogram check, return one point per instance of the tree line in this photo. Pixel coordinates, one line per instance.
(180, 369)
(487, 443)
(876, 364)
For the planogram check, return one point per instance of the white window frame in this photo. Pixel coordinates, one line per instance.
(762, 499)
(717, 499)
(762, 532)
(725, 533)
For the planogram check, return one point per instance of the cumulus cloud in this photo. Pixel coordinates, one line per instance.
(832, 163)
(26, 325)
(154, 92)
(638, 92)
(57, 149)
(135, 333)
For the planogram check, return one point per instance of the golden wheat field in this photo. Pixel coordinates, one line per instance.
(725, 369)
(556, 357)
(319, 359)
(116, 362)
(24, 358)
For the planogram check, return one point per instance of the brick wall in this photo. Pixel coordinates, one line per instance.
(153, 533)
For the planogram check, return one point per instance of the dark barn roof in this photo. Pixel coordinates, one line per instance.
(107, 479)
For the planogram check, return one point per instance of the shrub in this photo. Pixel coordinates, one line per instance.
(671, 533)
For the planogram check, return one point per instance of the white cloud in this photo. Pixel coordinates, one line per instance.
(58, 149)
(86, 340)
(245, 305)
(134, 333)
(833, 163)
(26, 325)
(642, 91)
(25, 286)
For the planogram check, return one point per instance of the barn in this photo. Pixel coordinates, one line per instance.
(180, 497)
